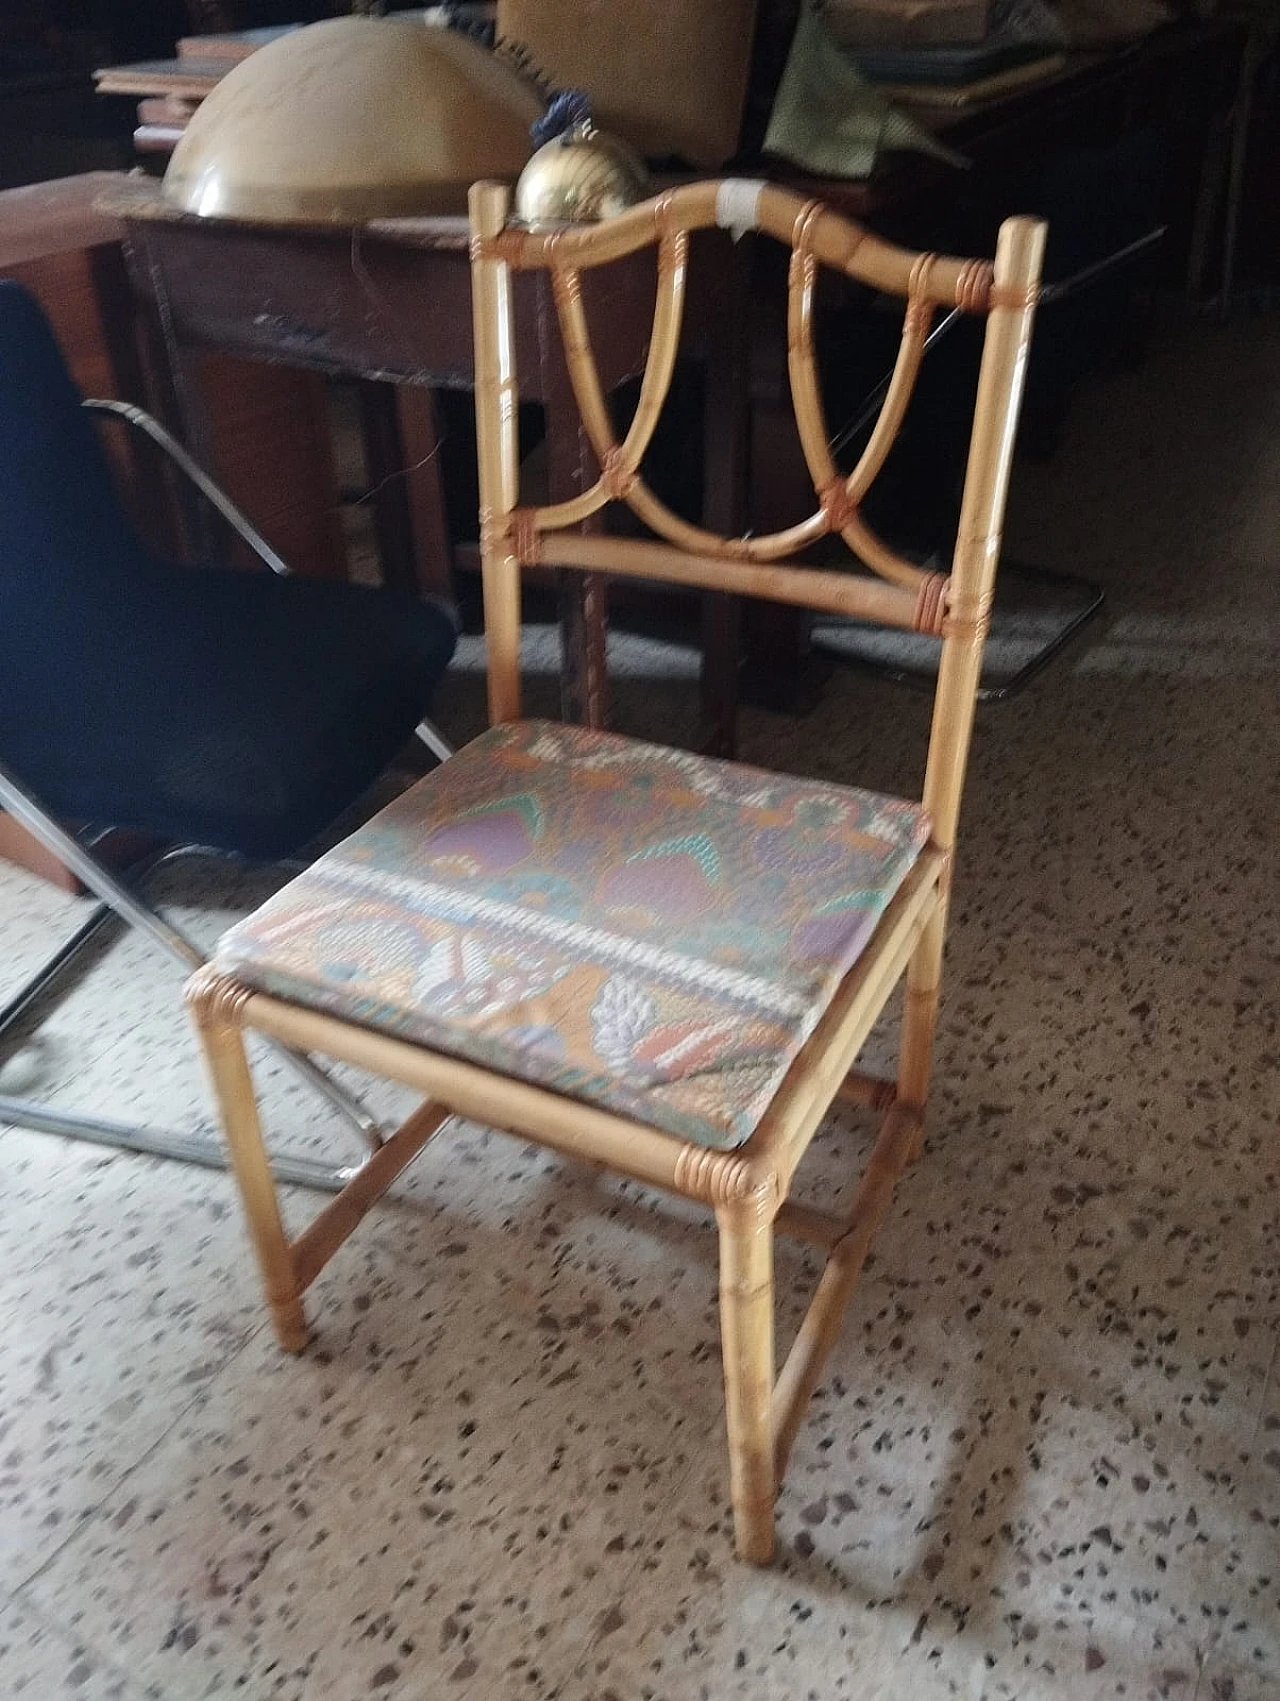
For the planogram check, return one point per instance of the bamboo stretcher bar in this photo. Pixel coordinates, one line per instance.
(807, 1223)
(820, 1326)
(321, 1239)
(850, 594)
(878, 1091)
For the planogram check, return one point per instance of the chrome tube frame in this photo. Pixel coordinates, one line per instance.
(434, 739)
(195, 474)
(119, 900)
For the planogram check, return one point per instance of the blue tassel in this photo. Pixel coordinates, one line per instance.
(568, 109)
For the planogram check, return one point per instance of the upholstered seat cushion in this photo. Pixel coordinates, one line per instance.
(653, 932)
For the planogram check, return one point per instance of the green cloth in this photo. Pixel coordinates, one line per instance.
(829, 120)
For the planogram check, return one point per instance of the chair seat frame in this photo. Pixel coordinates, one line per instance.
(747, 1189)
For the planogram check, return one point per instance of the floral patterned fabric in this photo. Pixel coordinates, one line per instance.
(650, 931)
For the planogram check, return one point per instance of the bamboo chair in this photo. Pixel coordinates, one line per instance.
(303, 972)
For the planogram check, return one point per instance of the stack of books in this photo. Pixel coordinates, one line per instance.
(942, 53)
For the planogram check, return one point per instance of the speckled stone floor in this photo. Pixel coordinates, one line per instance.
(1046, 1461)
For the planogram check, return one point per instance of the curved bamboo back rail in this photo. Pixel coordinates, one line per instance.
(899, 593)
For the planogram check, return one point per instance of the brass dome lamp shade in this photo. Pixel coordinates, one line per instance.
(353, 119)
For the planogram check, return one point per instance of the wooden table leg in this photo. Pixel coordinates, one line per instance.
(421, 440)
(384, 460)
(582, 597)
(406, 480)
(724, 468)
(776, 636)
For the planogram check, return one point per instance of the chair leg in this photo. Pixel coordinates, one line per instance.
(228, 1065)
(919, 1020)
(746, 1332)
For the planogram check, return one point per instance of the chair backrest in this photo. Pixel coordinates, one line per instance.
(954, 607)
(60, 514)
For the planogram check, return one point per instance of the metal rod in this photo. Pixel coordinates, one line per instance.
(160, 1143)
(1050, 293)
(1241, 118)
(107, 886)
(345, 1103)
(195, 473)
(48, 972)
(96, 876)
(434, 739)
(871, 406)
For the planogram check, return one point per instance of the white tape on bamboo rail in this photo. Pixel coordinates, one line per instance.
(738, 204)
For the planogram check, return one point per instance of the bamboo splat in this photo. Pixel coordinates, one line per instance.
(839, 496)
(620, 477)
(664, 346)
(902, 382)
(619, 463)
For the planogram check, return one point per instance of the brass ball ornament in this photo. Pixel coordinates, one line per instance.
(579, 175)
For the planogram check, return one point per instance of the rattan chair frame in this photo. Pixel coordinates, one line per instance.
(747, 1189)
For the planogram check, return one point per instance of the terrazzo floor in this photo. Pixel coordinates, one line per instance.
(1045, 1463)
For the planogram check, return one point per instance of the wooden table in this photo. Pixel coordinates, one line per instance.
(1178, 80)
(390, 304)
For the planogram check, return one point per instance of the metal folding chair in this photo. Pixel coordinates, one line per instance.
(60, 521)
